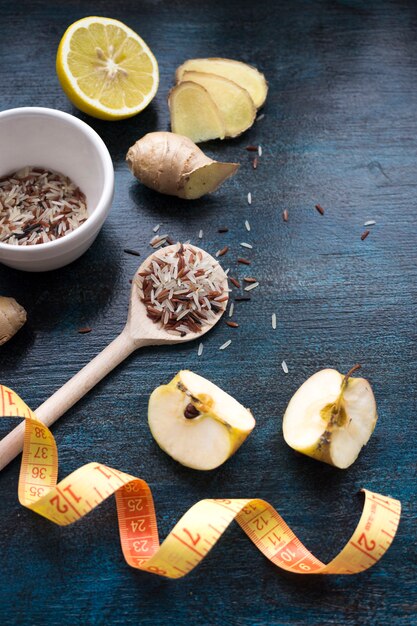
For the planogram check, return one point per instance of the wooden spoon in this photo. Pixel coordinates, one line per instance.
(139, 331)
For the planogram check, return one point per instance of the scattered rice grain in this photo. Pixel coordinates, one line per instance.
(85, 330)
(252, 286)
(274, 320)
(200, 349)
(249, 198)
(133, 252)
(246, 245)
(247, 226)
(370, 223)
(284, 367)
(225, 345)
(222, 252)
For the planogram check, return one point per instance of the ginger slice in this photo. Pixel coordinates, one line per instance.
(243, 74)
(174, 165)
(234, 103)
(194, 113)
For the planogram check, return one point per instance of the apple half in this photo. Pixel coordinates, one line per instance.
(197, 423)
(331, 417)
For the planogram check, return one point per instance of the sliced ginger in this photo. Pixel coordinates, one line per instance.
(244, 75)
(194, 113)
(234, 103)
(174, 165)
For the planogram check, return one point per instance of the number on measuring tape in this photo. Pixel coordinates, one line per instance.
(56, 501)
(40, 433)
(363, 541)
(141, 545)
(287, 555)
(38, 472)
(194, 539)
(41, 453)
(138, 525)
(135, 505)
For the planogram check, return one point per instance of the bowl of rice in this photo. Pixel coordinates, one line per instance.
(56, 188)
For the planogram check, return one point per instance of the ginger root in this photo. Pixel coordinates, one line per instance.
(174, 165)
(12, 318)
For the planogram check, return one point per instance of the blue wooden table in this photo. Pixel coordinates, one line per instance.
(340, 128)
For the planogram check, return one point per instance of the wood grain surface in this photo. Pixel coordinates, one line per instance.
(340, 128)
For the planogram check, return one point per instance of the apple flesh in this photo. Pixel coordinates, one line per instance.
(197, 423)
(331, 417)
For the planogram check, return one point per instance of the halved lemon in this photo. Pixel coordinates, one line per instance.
(106, 69)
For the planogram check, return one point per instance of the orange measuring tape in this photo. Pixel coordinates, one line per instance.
(201, 526)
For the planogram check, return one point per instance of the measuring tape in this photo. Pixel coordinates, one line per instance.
(201, 526)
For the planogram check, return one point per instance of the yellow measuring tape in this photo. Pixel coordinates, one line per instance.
(201, 526)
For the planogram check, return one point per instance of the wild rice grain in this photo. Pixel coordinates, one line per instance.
(274, 320)
(249, 279)
(223, 230)
(365, 234)
(319, 209)
(232, 324)
(243, 261)
(225, 345)
(255, 163)
(85, 330)
(285, 215)
(251, 148)
(234, 282)
(222, 252)
(133, 252)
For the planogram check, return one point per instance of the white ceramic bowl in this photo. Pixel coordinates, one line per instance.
(58, 141)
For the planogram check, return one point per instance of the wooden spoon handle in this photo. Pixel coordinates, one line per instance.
(70, 393)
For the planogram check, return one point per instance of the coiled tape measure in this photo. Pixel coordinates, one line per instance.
(198, 530)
